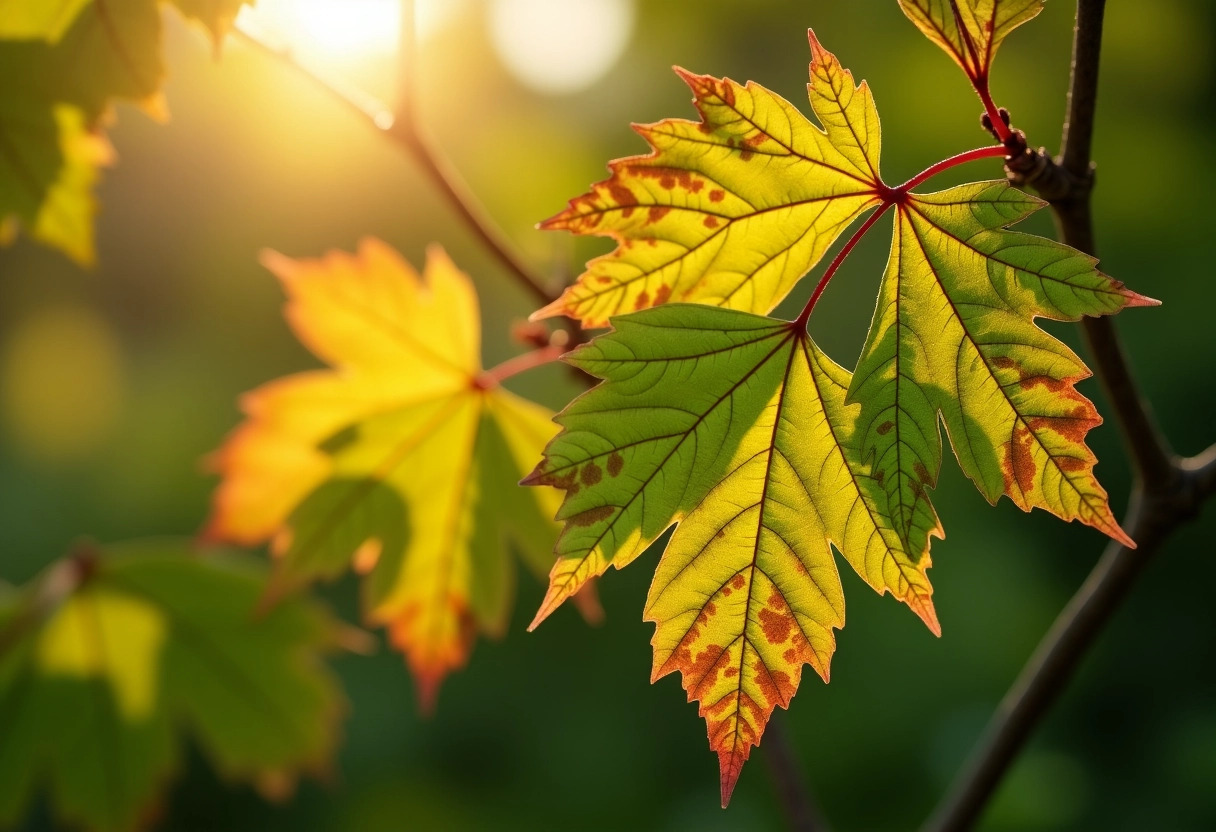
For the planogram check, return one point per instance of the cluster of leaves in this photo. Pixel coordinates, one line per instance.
(62, 65)
(109, 655)
(400, 460)
(111, 651)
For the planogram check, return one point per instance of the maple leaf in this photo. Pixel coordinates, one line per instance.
(734, 426)
(970, 31)
(106, 658)
(733, 210)
(49, 160)
(401, 461)
(738, 429)
(952, 333)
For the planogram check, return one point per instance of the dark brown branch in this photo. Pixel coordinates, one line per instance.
(789, 781)
(1168, 492)
(404, 129)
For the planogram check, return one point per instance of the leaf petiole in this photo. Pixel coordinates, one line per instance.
(805, 315)
(953, 161)
(892, 196)
(496, 375)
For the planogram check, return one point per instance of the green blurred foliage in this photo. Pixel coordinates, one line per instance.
(560, 729)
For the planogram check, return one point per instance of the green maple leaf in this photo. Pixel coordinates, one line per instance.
(735, 426)
(104, 660)
(740, 430)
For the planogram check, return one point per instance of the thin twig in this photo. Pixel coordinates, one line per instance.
(404, 129)
(789, 780)
(1168, 491)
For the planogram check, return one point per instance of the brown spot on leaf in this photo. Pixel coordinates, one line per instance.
(776, 625)
(669, 178)
(1072, 427)
(1071, 464)
(922, 473)
(1004, 363)
(717, 195)
(1019, 468)
(642, 301)
(1053, 385)
(738, 581)
(565, 481)
(774, 685)
(603, 279)
(699, 672)
(711, 221)
(657, 212)
(591, 474)
(621, 195)
(731, 672)
(615, 463)
(591, 516)
(661, 295)
(885, 427)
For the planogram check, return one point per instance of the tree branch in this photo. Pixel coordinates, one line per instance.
(789, 780)
(1168, 491)
(404, 129)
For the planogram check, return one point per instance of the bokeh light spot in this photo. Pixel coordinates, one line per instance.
(61, 383)
(560, 46)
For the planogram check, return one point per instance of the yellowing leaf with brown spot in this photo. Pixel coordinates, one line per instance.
(735, 427)
(953, 334)
(730, 211)
(402, 460)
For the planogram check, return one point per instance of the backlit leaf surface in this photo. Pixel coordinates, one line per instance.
(762, 450)
(734, 426)
(401, 461)
(970, 31)
(730, 211)
(953, 334)
(100, 674)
